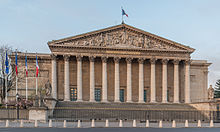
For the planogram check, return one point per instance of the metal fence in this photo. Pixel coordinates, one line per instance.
(116, 114)
(143, 115)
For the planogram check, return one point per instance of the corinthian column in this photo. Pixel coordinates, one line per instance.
(92, 79)
(104, 80)
(129, 80)
(164, 81)
(176, 81)
(141, 80)
(187, 81)
(152, 81)
(79, 78)
(54, 76)
(117, 81)
(66, 79)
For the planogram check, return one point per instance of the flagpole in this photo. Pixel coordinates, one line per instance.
(16, 88)
(36, 84)
(16, 80)
(122, 16)
(6, 87)
(36, 75)
(26, 92)
(26, 89)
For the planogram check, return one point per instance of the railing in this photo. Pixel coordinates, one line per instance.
(121, 114)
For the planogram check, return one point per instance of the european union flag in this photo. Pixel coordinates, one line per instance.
(6, 63)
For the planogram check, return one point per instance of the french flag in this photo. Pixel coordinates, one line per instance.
(37, 67)
(16, 63)
(123, 12)
(26, 67)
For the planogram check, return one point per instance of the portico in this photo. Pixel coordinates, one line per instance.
(120, 64)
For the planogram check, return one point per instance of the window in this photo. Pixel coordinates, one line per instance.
(97, 94)
(73, 94)
(145, 95)
(122, 95)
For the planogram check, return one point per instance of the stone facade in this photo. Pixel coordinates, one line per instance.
(120, 57)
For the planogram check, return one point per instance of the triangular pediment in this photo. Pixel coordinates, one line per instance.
(121, 36)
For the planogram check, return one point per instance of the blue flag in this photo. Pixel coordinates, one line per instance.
(6, 63)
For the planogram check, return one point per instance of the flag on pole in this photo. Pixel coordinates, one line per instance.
(26, 68)
(6, 63)
(37, 67)
(123, 12)
(16, 64)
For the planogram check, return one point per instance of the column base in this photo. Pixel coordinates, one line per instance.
(104, 101)
(164, 101)
(92, 100)
(66, 100)
(153, 101)
(176, 102)
(129, 101)
(141, 101)
(80, 100)
(117, 101)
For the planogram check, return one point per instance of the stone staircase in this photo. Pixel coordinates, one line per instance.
(126, 111)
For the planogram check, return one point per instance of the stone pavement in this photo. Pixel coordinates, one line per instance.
(59, 124)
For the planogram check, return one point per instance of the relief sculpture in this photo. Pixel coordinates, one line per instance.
(123, 38)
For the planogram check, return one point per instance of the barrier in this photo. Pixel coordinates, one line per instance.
(134, 123)
(7, 123)
(50, 123)
(93, 123)
(147, 123)
(186, 123)
(160, 124)
(211, 123)
(21, 123)
(107, 123)
(120, 123)
(35, 123)
(199, 123)
(79, 124)
(64, 124)
(174, 124)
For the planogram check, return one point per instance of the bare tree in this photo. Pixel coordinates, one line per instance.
(3, 76)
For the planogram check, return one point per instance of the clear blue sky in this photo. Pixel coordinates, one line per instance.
(30, 24)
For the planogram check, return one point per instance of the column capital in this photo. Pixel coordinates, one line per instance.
(117, 59)
(104, 59)
(176, 61)
(153, 60)
(92, 58)
(141, 60)
(129, 60)
(187, 62)
(78, 57)
(66, 57)
(164, 61)
(53, 56)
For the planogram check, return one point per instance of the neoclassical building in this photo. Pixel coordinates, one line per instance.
(119, 64)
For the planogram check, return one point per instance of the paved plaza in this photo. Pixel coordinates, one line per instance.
(126, 124)
(110, 129)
